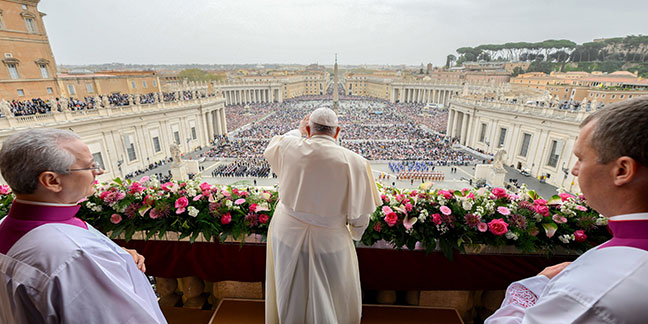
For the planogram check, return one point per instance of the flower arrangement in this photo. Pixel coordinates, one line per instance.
(453, 220)
(427, 217)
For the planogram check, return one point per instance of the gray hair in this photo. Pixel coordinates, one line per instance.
(27, 154)
(319, 129)
(620, 130)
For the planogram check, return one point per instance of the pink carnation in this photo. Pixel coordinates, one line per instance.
(263, 218)
(445, 210)
(386, 210)
(226, 218)
(581, 208)
(579, 236)
(408, 207)
(498, 226)
(391, 219)
(4, 190)
(565, 196)
(239, 201)
(115, 218)
(499, 192)
(503, 210)
(482, 227)
(235, 191)
(144, 179)
(384, 198)
(181, 204)
(446, 194)
(559, 219)
(436, 218)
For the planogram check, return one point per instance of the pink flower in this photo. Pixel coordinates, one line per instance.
(244, 193)
(503, 210)
(225, 193)
(205, 186)
(144, 179)
(565, 196)
(446, 194)
(253, 208)
(499, 192)
(445, 210)
(482, 227)
(226, 218)
(115, 218)
(181, 204)
(167, 186)
(579, 236)
(559, 219)
(386, 210)
(154, 214)
(471, 195)
(408, 207)
(196, 198)
(377, 227)
(4, 190)
(436, 218)
(235, 191)
(581, 208)
(542, 210)
(498, 226)
(136, 187)
(391, 219)
(239, 201)
(384, 198)
(263, 218)
(400, 197)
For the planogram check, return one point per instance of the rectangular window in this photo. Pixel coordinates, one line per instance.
(176, 137)
(556, 149)
(31, 28)
(13, 71)
(156, 144)
(154, 84)
(133, 85)
(20, 92)
(130, 147)
(43, 69)
(98, 160)
(482, 133)
(89, 87)
(144, 85)
(502, 137)
(524, 150)
(193, 133)
(50, 90)
(71, 89)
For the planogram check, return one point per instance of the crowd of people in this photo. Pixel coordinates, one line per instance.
(257, 167)
(241, 115)
(37, 106)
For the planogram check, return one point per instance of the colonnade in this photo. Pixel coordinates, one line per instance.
(246, 96)
(215, 123)
(423, 95)
(460, 125)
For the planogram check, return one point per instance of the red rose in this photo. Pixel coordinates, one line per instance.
(391, 219)
(498, 226)
(579, 236)
(263, 218)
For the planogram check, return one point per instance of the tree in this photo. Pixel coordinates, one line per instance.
(449, 60)
(198, 75)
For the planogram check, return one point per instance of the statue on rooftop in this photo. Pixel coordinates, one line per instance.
(498, 159)
(5, 109)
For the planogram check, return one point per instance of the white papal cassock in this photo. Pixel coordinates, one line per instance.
(59, 273)
(312, 268)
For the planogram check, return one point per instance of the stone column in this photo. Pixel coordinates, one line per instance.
(451, 116)
(210, 125)
(464, 128)
(223, 121)
(455, 123)
(469, 136)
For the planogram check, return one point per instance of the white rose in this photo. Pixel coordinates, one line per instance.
(467, 205)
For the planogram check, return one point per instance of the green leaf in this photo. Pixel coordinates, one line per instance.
(194, 236)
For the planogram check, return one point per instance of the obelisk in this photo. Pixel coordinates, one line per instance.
(335, 86)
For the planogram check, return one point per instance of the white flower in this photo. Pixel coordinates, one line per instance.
(467, 204)
(228, 203)
(191, 192)
(566, 238)
(601, 221)
(193, 211)
(511, 236)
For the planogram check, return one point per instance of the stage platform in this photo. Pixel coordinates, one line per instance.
(248, 311)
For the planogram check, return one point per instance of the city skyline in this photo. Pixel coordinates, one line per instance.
(304, 32)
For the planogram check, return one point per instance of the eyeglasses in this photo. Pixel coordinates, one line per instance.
(95, 169)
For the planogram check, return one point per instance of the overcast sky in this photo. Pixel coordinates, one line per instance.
(306, 31)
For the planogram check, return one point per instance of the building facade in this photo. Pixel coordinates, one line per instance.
(28, 67)
(123, 139)
(537, 139)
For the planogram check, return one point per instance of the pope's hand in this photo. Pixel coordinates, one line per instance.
(302, 125)
(554, 270)
(138, 258)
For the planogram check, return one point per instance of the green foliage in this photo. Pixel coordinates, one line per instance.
(198, 75)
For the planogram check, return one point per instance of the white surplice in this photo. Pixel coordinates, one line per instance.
(312, 268)
(606, 285)
(59, 273)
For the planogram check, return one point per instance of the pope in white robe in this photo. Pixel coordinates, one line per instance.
(326, 194)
